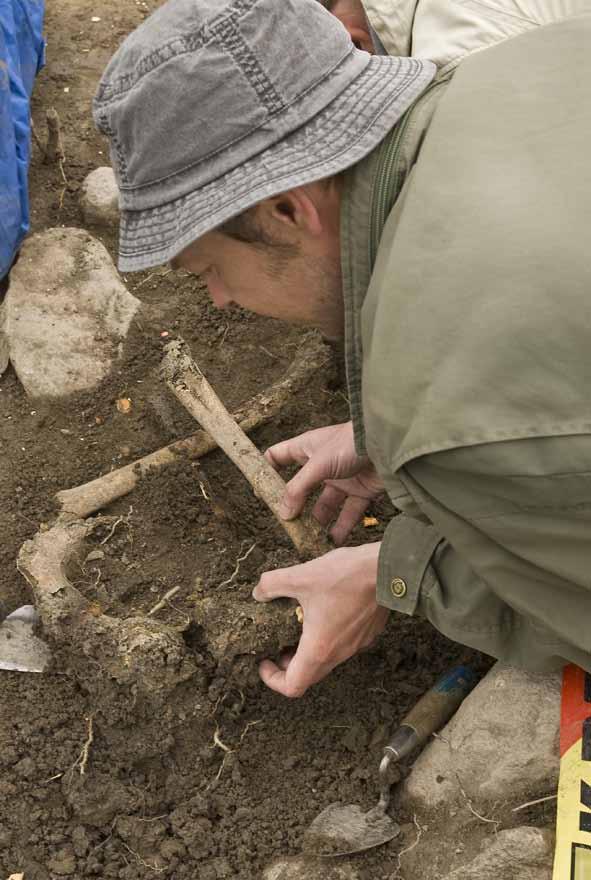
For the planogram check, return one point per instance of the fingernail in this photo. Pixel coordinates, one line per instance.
(254, 594)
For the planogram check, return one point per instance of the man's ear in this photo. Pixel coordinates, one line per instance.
(294, 210)
(361, 38)
(351, 15)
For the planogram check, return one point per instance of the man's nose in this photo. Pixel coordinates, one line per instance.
(219, 295)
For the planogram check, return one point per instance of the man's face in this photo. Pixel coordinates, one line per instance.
(300, 287)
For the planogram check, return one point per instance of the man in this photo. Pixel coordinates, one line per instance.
(447, 243)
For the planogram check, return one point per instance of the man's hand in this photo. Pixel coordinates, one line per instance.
(341, 616)
(328, 456)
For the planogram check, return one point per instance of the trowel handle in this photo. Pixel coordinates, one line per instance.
(432, 711)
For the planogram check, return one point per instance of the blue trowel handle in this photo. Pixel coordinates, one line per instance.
(433, 710)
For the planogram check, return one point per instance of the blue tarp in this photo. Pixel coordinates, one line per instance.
(21, 57)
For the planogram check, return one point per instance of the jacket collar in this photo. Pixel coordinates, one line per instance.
(371, 190)
(362, 221)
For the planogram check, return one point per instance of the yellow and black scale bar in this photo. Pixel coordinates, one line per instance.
(572, 860)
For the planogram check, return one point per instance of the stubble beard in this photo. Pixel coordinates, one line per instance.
(323, 279)
(317, 282)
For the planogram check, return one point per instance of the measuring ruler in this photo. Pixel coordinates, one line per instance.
(572, 860)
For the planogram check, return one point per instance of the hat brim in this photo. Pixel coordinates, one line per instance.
(342, 134)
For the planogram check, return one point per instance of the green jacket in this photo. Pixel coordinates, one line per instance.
(469, 348)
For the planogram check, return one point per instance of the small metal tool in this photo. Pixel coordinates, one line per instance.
(343, 829)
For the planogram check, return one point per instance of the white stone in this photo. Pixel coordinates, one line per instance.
(310, 869)
(66, 313)
(501, 745)
(524, 853)
(100, 198)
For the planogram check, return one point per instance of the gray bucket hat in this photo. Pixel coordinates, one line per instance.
(214, 105)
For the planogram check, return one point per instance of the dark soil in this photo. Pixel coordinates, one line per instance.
(222, 777)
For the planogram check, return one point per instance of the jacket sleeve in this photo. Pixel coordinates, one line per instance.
(446, 33)
(501, 557)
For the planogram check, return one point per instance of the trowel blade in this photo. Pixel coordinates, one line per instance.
(20, 649)
(340, 830)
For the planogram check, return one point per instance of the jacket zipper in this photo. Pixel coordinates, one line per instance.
(389, 169)
(380, 198)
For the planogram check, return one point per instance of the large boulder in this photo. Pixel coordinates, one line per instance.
(100, 198)
(65, 314)
(501, 745)
(524, 853)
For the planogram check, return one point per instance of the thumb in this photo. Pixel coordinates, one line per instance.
(276, 585)
(303, 670)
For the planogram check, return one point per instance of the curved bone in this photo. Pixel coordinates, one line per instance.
(136, 651)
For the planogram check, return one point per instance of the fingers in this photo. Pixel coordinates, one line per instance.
(293, 582)
(294, 679)
(282, 582)
(308, 478)
(277, 680)
(273, 676)
(298, 489)
(320, 453)
(286, 452)
(352, 511)
(328, 505)
(286, 658)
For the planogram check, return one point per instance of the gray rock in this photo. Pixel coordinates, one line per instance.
(309, 869)
(100, 198)
(502, 744)
(66, 313)
(517, 854)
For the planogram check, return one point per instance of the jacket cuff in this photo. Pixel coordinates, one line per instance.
(405, 554)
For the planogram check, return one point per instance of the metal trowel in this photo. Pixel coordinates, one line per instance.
(340, 829)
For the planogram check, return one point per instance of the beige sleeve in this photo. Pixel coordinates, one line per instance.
(392, 21)
(446, 32)
(503, 565)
